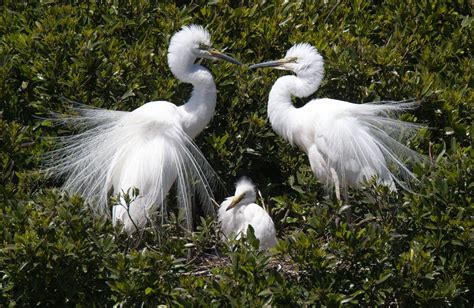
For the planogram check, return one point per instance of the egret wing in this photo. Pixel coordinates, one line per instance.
(125, 150)
(262, 224)
(353, 143)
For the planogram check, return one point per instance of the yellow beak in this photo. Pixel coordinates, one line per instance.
(220, 55)
(274, 63)
(235, 201)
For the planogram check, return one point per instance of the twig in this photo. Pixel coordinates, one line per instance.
(215, 203)
(262, 200)
(331, 11)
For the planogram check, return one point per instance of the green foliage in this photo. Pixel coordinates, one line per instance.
(402, 249)
(54, 252)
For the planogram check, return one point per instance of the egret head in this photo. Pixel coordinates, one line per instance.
(302, 59)
(245, 193)
(194, 42)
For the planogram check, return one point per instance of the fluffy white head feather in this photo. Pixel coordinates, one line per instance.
(307, 61)
(189, 38)
(246, 188)
(308, 65)
(185, 49)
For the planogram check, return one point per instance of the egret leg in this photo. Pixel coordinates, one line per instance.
(337, 188)
(320, 170)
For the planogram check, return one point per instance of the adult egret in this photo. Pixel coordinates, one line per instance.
(149, 148)
(238, 212)
(346, 143)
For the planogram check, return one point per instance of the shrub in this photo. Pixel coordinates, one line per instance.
(403, 249)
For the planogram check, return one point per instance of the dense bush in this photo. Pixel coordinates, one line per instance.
(403, 249)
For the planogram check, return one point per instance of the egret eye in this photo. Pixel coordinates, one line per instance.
(203, 46)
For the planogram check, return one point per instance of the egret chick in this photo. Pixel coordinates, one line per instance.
(347, 144)
(150, 148)
(238, 212)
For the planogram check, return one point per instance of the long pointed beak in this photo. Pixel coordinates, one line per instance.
(274, 63)
(220, 55)
(235, 201)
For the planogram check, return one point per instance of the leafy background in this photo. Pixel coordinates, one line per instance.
(402, 249)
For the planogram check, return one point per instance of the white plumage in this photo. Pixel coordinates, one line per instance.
(238, 212)
(149, 148)
(346, 143)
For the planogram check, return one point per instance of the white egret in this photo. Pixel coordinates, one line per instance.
(238, 212)
(149, 148)
(346, 143)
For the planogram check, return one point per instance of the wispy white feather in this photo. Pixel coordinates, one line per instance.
(347, 144)
(150, 148)
(366, 141)
(116, 143)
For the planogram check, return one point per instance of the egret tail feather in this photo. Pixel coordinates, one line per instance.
(118, 150)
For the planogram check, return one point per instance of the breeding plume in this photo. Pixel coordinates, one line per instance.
(238, 212)
(346, 143)
(149, 148)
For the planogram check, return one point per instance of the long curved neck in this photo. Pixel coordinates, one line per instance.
(198, 110)
(280, 108)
